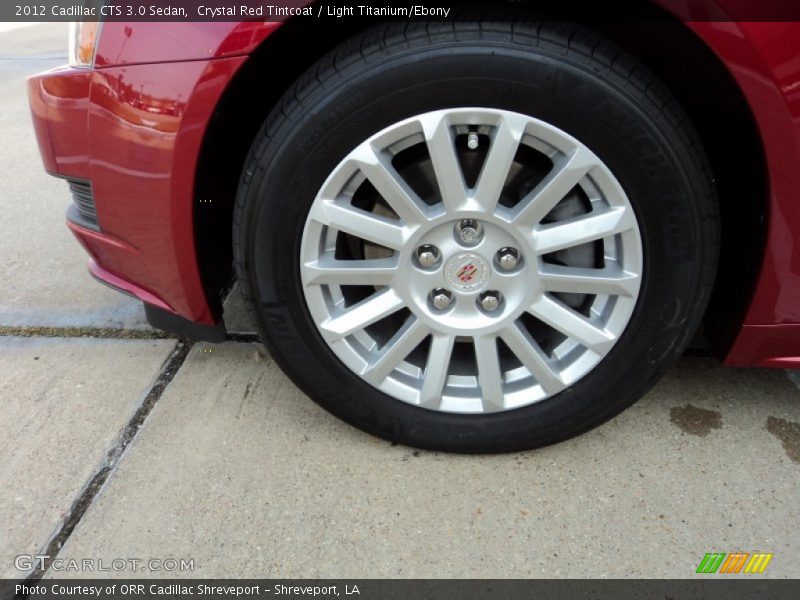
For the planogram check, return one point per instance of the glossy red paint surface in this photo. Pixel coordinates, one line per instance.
(136, 136)
(135, 125)
(159, 114)
(60, 105)
(135, 130)
(764, 58)
(139, 43)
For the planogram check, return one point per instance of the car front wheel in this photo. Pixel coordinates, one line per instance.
(476, 239)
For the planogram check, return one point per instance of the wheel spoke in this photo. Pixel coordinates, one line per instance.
(436, 368)
(330, 271)
(390, 185)
(580, 230)
(360, 223)
(525, 348)
(357, 317)
(503, 148)
(396, 350)
(446, 167)
(610, 281)
(490, 377)
(566, 174)
(572, 324)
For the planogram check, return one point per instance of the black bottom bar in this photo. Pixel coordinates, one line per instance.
(402, 589)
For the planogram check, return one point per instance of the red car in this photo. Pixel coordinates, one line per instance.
(462, 235)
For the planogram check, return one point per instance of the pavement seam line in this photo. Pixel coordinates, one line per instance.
(84, 332)
(167, 373)
(108, 333)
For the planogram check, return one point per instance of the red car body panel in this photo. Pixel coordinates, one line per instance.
(134, 126)
(139, 136)
(764, 58)
(177, 42)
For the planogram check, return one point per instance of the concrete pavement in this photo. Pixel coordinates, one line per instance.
(64, 403)
(236, 469)
(239, 471)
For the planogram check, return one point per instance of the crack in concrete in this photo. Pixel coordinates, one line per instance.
(90, 491)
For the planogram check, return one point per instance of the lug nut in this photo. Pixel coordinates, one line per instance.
(427, 255)
(472, 141)
(490, 300)
(441, 298)
(469, 231)
(508, 258)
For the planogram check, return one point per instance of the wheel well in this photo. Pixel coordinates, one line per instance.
(729, 134)
(254, 91)
(719, 112)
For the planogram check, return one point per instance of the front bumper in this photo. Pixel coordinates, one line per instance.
(127, 139)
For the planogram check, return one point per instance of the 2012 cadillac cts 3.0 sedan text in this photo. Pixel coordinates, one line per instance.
(466, 236)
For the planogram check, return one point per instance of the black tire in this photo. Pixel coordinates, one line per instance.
(561, 74)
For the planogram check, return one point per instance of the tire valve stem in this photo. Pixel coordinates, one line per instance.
(472, 141)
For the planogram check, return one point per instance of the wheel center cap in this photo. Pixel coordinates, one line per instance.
(467, 272)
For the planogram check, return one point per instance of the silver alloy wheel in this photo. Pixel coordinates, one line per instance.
(551, 316)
